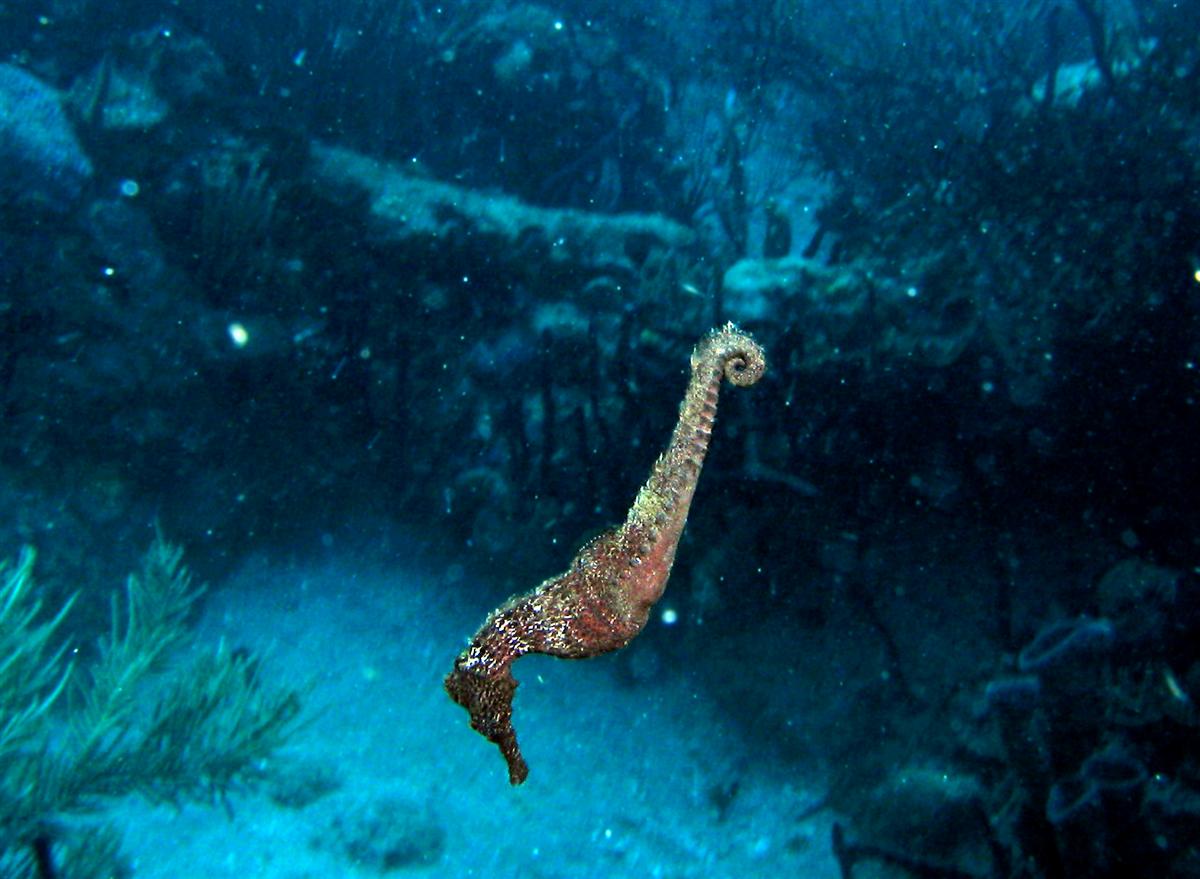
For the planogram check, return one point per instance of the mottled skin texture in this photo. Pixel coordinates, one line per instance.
(604, 598)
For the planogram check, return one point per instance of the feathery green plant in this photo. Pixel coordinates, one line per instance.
(133, 722)
(32, 676)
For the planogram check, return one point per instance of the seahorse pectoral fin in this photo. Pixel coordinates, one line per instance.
(602, 601)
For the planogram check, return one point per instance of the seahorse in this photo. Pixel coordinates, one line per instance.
(603, 600)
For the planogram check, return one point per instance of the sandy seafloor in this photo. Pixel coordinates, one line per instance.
(620, 781)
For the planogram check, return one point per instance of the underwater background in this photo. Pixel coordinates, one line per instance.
(338, 322)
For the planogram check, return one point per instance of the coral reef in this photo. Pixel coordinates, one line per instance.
(41, 160)
(448, 257)
(421, 214)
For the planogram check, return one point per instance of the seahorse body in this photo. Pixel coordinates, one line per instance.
(604, 598)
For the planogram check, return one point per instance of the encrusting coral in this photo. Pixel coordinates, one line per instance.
(604, 598)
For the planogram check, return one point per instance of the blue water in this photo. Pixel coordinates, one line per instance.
(382, 310)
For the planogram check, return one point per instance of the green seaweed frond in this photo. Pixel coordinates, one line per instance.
(145, 628)
(136, 720)
(212, 725)
(32, 673)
